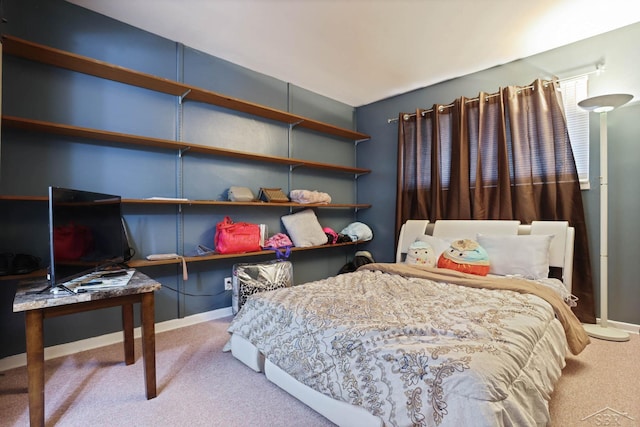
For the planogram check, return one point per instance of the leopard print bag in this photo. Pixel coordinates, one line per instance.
(249, 279)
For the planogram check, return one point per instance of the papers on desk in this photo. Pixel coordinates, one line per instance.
(100, 280)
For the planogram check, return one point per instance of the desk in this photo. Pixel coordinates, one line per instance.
(38, 307)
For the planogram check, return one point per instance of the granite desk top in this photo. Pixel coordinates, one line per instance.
(27, 297)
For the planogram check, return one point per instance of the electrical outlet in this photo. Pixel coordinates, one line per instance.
(227, 283)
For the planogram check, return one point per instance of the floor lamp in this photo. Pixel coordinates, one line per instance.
(602, 104)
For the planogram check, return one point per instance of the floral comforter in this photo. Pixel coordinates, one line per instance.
(414, 351)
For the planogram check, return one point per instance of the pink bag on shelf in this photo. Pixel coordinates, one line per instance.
(279, 242)
(236, 237)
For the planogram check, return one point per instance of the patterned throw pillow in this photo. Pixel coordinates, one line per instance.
(467, 256)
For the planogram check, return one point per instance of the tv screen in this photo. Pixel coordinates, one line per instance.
(85, 233)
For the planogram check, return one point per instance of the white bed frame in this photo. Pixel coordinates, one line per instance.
(347, 415)
(560, 250)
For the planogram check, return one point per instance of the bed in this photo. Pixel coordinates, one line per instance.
(401, 344)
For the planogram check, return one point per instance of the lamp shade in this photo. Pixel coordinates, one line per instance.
(603, 103)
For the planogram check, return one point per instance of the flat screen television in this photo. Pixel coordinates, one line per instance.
(85, 233)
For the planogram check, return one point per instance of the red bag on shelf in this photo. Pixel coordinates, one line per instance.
(72, 241)
(236, 238)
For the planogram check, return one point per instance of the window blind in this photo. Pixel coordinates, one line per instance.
(574, 90)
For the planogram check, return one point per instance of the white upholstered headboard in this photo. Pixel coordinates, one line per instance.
(560, 251)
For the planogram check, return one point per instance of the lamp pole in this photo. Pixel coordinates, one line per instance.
(602, 104)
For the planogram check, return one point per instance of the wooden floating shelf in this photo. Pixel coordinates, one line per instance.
(25, 198)
(141, 263)
(138, 263)
(78, 63)
(123, 138)
(82, 64)
(205, 203)
(254, 204)
(34, 275)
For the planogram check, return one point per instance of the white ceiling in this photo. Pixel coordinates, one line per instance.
(361, 51)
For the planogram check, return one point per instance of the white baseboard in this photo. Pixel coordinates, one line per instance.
(629, 327)
(19, 360)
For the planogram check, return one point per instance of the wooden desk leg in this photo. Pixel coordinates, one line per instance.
(35, 366)
(147, 312)
(127, 329)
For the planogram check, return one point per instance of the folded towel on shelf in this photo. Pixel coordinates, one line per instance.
(309, 196)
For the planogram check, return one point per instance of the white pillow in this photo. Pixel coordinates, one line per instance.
(304, 229)
(526, 256)
(439, 244)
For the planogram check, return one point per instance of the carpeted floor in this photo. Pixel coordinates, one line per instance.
(199, 385)
(600, 386)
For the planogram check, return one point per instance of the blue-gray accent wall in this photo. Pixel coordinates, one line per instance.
(618, 51)
(33, 161)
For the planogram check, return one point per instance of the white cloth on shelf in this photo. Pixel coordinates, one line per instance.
(309, 196)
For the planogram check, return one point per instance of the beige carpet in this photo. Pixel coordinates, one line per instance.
(600, 386)
(199, 385)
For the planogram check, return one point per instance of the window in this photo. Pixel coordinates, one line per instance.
(574, 90)
(577, 120)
